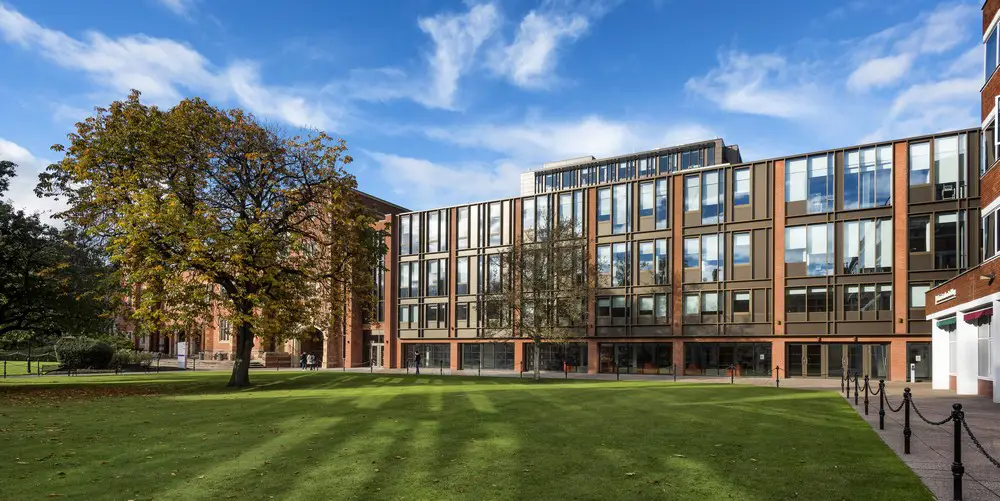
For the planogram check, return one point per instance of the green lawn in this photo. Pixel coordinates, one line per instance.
(326, 435)
(19, 368)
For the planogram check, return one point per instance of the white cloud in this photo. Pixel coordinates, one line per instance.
(457, 38)
(942, 29)
(179, 7)
(759, 84)
(536, 141)
(530, 60)
(426, 184)
(163, 70)
(21, 193)
(879, 72)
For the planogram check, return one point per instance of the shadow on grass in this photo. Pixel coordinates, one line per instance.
(328, 435)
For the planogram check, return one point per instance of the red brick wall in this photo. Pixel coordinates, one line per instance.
(677, 264)
(989, 186)
(900, 268)
(779, 248)
(985, 388)
(990, 8)
(968, 286)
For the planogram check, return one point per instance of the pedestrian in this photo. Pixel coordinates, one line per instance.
(319, 360)
(302, 361)
(416, 361)
(311, 361)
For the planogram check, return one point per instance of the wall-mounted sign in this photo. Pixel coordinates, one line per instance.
(944, 296)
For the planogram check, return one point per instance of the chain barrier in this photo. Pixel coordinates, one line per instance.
(978, 445)
(873, 393)
(935, 423)
(889, 404)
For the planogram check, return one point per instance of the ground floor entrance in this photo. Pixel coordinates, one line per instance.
(373, 350)
(836, 359)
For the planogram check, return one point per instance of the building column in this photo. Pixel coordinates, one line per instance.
(453, 345)
(898, 370)
(593, 357)
(939, 357)
(995, 355)
(778, 357)
(966, 372)
(518, 355)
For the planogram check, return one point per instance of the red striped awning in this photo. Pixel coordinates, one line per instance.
(974, 316)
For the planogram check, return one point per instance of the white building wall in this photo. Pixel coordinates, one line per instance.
(967, 379)
(939, 357)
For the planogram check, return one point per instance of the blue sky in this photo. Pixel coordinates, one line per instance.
(447, 102)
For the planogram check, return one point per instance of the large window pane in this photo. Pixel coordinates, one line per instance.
(795, 300)
(565, 210)
(991, 54)
(741, 248)
(918, 298)
(691, 251)
(711, 258)
(946, 241)
(692, 304)
(795, 244)
(661, 204)
(883, 176)
(919, 233)
(462, 275)
(741, 302)
(528, 218)
(946, 167)
(604, 259)
(432, 231)
(741, 190)
(620, 265)
(692, 193)
(542, 216)
(646, 199)
(661, 272)
(711, 207)
(920, 163)
(495, 226)
(463, 227)
(646, 256)
(820, 184)
(796, 182)
(620, 208)
(852, 171)
(604, 204)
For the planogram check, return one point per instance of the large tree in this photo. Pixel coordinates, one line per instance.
(52, 281)
(200, 204)
(540, 289)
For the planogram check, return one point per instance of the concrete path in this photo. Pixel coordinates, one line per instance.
(931, 447)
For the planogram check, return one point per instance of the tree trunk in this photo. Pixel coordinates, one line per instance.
(241, 362)
(538, 359)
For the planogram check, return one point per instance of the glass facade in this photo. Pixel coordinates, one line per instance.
(433, 356)
(571, 357)
(487, 356)
(637, 358)
(715, 359)
(834, 360)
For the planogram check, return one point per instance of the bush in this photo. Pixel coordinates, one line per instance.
(127, 357)
(84, 353)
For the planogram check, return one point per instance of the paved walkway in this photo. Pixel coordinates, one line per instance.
(931, 447)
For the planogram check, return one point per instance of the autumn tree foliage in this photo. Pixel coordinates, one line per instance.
(198, 204)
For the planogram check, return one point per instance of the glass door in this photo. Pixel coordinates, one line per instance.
(919, 354)
(814, 360)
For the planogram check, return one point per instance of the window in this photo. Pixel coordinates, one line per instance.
(626, 170)
(741, 188)
(604, 307)
(645, 306)
(991, 54)
(817, 300)
(741, 302)
(947, 166)
(692, 249)
(542, 216)
(409, 231)
(661, 306)
(604, 260)
(741, 248)
(620, 265)
(619, 310)
(475, 225)
(712, 256)
(918, 295)
(437, 231)
(796, 181)
(646, 257)
(920, 163)
(852, 298)
(661, 204)
(795, 300)
(645, 167)
(604, 173)
(884, 297)
(462, 313)
(946, 240)
(712, 202)
(661, 270)
(434, 272)
(812, 245)
(692, 193)
(820, 184)
(920, 234)
(984, 347)
(604, 204)
(568, 179)
(225, 329)
(868, 178)
(989, 235)
(409, 279)
(668, 163)
(868, 246)
(710, 302)
(578, 214)
(494, 280)
(647, 200)
(462, 275)
(436, 316)
(463, 227)
(528, 219)
(867, 298)
(692, 304)
(565, 210)
(621, 203)
(496, 236)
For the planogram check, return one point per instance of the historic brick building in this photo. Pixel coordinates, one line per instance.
(966, 340)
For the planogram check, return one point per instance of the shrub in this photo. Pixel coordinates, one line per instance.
(84, 353)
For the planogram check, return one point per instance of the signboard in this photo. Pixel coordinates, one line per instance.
(182, 355)
(944, 296)
(918, 358)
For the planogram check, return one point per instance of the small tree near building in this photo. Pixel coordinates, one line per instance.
(539, 289)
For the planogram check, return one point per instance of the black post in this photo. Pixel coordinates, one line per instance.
(480, 364)
(675, 372)
(732, 374)
(881, 404)
(29, 357)
(565, 370)
(618, 372)
(157, 364)
(842, 378)
(906, 421)
(957, 469)
(440, 367)
(5, 367)
(522, 369)
(866, 394)
(855, 389)
(777, 376)
(371, 366)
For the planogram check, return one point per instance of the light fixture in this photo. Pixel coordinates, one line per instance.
(990, 276)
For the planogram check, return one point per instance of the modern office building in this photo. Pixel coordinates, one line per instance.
(817, 263)
(966, 355)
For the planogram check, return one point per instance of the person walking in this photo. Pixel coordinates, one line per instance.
(302, 360)
(311, 361)
(416, 361)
